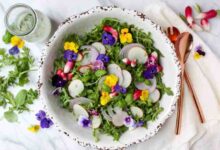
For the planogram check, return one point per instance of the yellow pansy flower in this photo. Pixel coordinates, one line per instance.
(197, 56)
(144, 95)
(16, 41)
(105, 98)
(71, 46)
(111, 80)
(34, 128)
(125, 36)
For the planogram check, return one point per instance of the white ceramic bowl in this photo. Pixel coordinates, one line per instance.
(85, 22)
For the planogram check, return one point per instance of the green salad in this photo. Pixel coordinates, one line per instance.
(110, 78)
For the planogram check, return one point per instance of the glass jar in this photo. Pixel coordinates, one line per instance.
(29, 24)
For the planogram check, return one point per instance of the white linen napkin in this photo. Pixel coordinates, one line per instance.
(205, 77)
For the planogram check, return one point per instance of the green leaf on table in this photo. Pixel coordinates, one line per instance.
(183, 18)
(10, 116)
(21, 97)
(168, 91)
(7, 37)
(197, 8)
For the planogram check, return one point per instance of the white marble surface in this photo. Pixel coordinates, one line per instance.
(16, 137)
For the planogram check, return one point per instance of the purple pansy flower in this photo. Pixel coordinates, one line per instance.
(56, 91)
(139, 124)
(46, 123)
(97, 65)
(103, 58)
(14, 50)
(123, 90)
(70, 55)
(199, 50)
(108, 39)
(150, 72)
(58, 81)
(41, 115)
(84, 121)
(119, 89)
(129, 121)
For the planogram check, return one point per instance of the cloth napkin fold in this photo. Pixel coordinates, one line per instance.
(205, 77)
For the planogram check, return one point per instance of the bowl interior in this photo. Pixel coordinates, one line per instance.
(83, 23)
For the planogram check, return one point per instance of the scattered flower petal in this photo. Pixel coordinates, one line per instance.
(34, 128)
(84, 121)
(46, 123)
(41, 115)
(14, 50)
(16, 41)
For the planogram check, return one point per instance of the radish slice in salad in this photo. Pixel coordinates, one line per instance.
(96, 121)
(117, 109)
(116, 70)
(75, 87)
(124, 51)
(126, 78)
(139, 54)
(110, 111)
(79, 100)
(136, 111)
(90, 55)
(155, 96)
(79, 57)
(105, 115)
(78, 110)
(143, 86)
(85, 68)
(118, 118)
(99, 47)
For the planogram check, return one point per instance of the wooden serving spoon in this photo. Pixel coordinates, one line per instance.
(183, 47)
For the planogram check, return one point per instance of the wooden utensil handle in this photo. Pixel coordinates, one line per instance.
(195, 98)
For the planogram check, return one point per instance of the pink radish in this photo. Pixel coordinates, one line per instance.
(99, 47)
(118, 118)
(143, 86)
(188, 14)
(155, 96)
(195, 27)
(136, 111)
(68, 66)
(79, 57)
(84, 69)
(116, 70)
(112, 31)
(75, 87)
(133, 63)
(113, 94)
(126, 61)
(137, 94)
(70, 76)
(59, 71)
(205, 24)
(139, 54)
(207, 15)
(63, 75)
(126, 78)
(126, 48)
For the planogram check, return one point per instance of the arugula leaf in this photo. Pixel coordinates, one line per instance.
(21, 97)
(10, 116)
(7, 37)
(100, 73)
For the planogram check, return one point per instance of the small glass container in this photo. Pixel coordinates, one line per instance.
(29, 24)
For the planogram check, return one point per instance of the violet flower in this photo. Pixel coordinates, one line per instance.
(108, 39)
(84, 121)
(151, 61)
(201, 52)
(139, 124)
(70, 55)
(14, 50)
(56, 91)
(150, 72)
(103, 58)
(129, 122)
(119, 89)
(58, 81)
(40, 115)
(46, 123)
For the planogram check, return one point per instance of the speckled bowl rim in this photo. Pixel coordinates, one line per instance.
(173, 53)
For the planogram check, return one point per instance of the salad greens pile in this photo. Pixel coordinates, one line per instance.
(110, 77)
(18, 76)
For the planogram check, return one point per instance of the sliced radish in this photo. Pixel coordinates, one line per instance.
(126, 48)
(110, 111)
(118, 118)
(75, 87)
(117, 109)
(155, 96)
(79, 57)
(84, 69)
(116, 70)
(99, 47)
(90, 55)
(96, 121)
(79, 100)
(126, 78)
(78, 110)
(143, 86)
(100, 83)
(105, 115)
(136, 111)
(139, 54)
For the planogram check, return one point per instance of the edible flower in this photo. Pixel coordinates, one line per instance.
(16, 41)
(34, 128)
(71, 46)
(151, 61)
(70, 55)
(108, 39)
(111, 80)
(46, 123)
(125, 36)
(105, 98)
(144, 95)
(139, 124)
(40, 115)
(14, 50)
(129, 122)
(58, 81)
(84, 121)
(103, 58)
(199, 52)
(98, 65)
(150, 72)
(119, 89)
